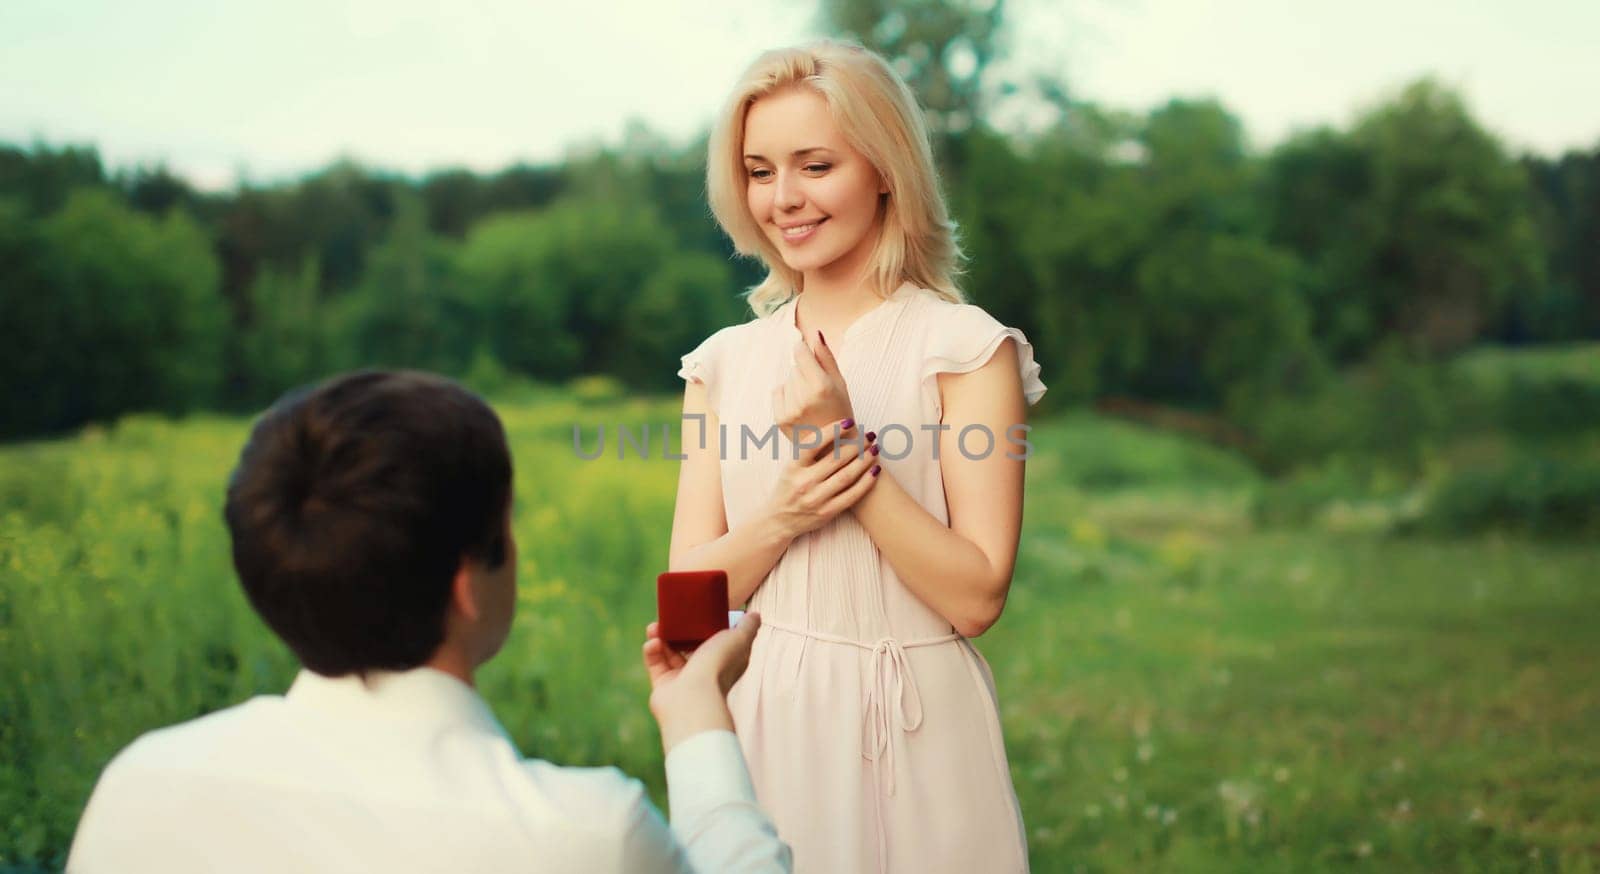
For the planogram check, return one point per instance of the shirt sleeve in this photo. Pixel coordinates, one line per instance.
(963, 340)
(703, 364)
(716, 824)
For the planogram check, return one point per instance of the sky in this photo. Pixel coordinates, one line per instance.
(264, 91)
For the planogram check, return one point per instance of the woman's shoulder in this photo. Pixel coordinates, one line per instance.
(736, 341)
(740, 335)
(944, 320)
(959, 337)
(728, 334)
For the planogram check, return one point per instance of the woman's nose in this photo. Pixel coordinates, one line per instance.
(789, 195)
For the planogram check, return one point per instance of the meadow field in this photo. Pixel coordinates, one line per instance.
(1185, 684)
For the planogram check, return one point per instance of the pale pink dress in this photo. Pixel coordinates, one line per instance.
(870, 727)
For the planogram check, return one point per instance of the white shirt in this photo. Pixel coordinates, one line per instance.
(408, 772)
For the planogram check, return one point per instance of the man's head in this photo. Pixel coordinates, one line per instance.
(370, 523)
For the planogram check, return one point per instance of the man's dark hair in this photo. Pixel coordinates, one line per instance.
(353, 505)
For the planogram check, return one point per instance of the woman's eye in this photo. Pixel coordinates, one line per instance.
(760, 173)
(818, 168)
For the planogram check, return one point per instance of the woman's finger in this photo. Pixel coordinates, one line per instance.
(841, 453)
(806, 366)
(840, 436)
(854, 492)
(807, 455)
(849, 472)
(780, 402)
(825, 358)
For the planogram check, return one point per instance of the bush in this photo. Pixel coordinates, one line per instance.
(1395, 411)
(1539, 496)
(1300, 499)
(597, 388)
(1542, 407)
(1102, 454)
(1392, 409)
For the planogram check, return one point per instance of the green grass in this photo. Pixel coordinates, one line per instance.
(1217, 700)
(1181, 689)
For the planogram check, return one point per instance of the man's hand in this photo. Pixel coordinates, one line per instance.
(815, 393)
(689, 694)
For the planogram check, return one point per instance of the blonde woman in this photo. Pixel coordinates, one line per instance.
(878, 533)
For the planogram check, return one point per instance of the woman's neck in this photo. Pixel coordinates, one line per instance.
(834, 296)
(832, 306)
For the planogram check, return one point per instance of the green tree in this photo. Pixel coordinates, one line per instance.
(409, 309)
(1319, 197)
(1049, 244)
(42, 178)
(1221, 314)
(523, 186)
(454, 200)
(683, 301)
(287, 339)
(1416, 223)
(523, 317)
(556, 287)
(668, 255)
(1134, 250)
(157, 190)
(105, 310)
(1223, 321)
(1567, 211)
(940, 47)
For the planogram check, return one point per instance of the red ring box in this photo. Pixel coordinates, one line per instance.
(691, 606)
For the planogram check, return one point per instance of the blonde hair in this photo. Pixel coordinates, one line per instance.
(879, 116)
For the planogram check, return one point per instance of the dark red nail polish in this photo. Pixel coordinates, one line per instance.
(873, 449)
(871, 436)
(877, 469)
(847, 424)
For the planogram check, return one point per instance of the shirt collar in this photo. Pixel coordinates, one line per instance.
(418, 695)
(783, 317)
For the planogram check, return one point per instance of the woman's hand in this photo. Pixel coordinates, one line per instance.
(826, 480)
(815, 392)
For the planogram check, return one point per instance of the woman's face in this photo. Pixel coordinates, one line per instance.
(814, 196)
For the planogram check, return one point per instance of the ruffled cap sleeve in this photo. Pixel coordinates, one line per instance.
(963, 340)
(703, 365)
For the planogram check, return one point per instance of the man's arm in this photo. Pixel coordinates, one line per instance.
(716, 825)
(714, 814)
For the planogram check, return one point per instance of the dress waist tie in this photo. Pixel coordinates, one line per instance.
(892, 702)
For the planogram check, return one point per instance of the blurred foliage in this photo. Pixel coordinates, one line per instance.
(1532, 495)
(1179, 689)
(1567, 212)
(1152, 256)
(1399, 411)
(104, 309)
(941, 49)
(119, 610)
(1095, 453)
(1391, 319)
(1496, 440)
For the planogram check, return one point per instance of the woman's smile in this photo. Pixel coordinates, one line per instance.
(799, 233)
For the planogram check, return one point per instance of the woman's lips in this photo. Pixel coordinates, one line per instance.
(801, 233)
